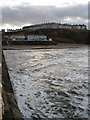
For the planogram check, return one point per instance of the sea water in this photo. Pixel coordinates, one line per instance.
(50, 83)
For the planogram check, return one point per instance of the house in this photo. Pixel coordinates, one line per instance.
(17, 37)
(21, 37)
(53, 26)
(37, 38)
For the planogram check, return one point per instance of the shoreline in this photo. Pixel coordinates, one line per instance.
(27, 47)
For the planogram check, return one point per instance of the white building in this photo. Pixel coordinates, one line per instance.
(17, 37)
(13, 30)
(29, 38)
(54, 26)
(36, 38)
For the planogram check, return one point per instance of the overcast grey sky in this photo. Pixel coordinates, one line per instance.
(18, 13)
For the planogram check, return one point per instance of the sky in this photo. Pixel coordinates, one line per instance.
(15, 14)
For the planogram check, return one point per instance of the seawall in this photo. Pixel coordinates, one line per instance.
(11, 110)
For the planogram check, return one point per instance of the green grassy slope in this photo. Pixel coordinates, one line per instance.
(62, 35)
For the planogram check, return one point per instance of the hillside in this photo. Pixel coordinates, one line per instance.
(61, 35)
(65, 35)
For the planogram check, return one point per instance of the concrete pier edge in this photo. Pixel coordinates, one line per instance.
(11, 110)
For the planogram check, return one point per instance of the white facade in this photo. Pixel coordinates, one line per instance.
(54, 26)
(36, 38)
(76, 27)
(17, 37)
(29, 38)
(13, 30)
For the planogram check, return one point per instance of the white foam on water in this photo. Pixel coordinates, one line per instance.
(50, 83)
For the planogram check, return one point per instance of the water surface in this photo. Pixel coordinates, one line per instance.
(50, 83)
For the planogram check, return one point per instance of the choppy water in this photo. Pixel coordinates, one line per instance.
(50, 83)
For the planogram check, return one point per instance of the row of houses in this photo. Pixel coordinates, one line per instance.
(21, 37)
(54, 26)
(49, 26)
(14, 30)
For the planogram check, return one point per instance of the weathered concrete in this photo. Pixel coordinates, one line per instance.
(11, 110)
(1, 103)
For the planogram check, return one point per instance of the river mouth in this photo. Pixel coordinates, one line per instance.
(50, 83)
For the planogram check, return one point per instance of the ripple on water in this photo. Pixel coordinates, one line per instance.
(50, 83)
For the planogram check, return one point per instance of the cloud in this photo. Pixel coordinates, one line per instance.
(28, 14)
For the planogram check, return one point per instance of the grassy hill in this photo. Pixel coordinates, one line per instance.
(65, 35)
(61, 35)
